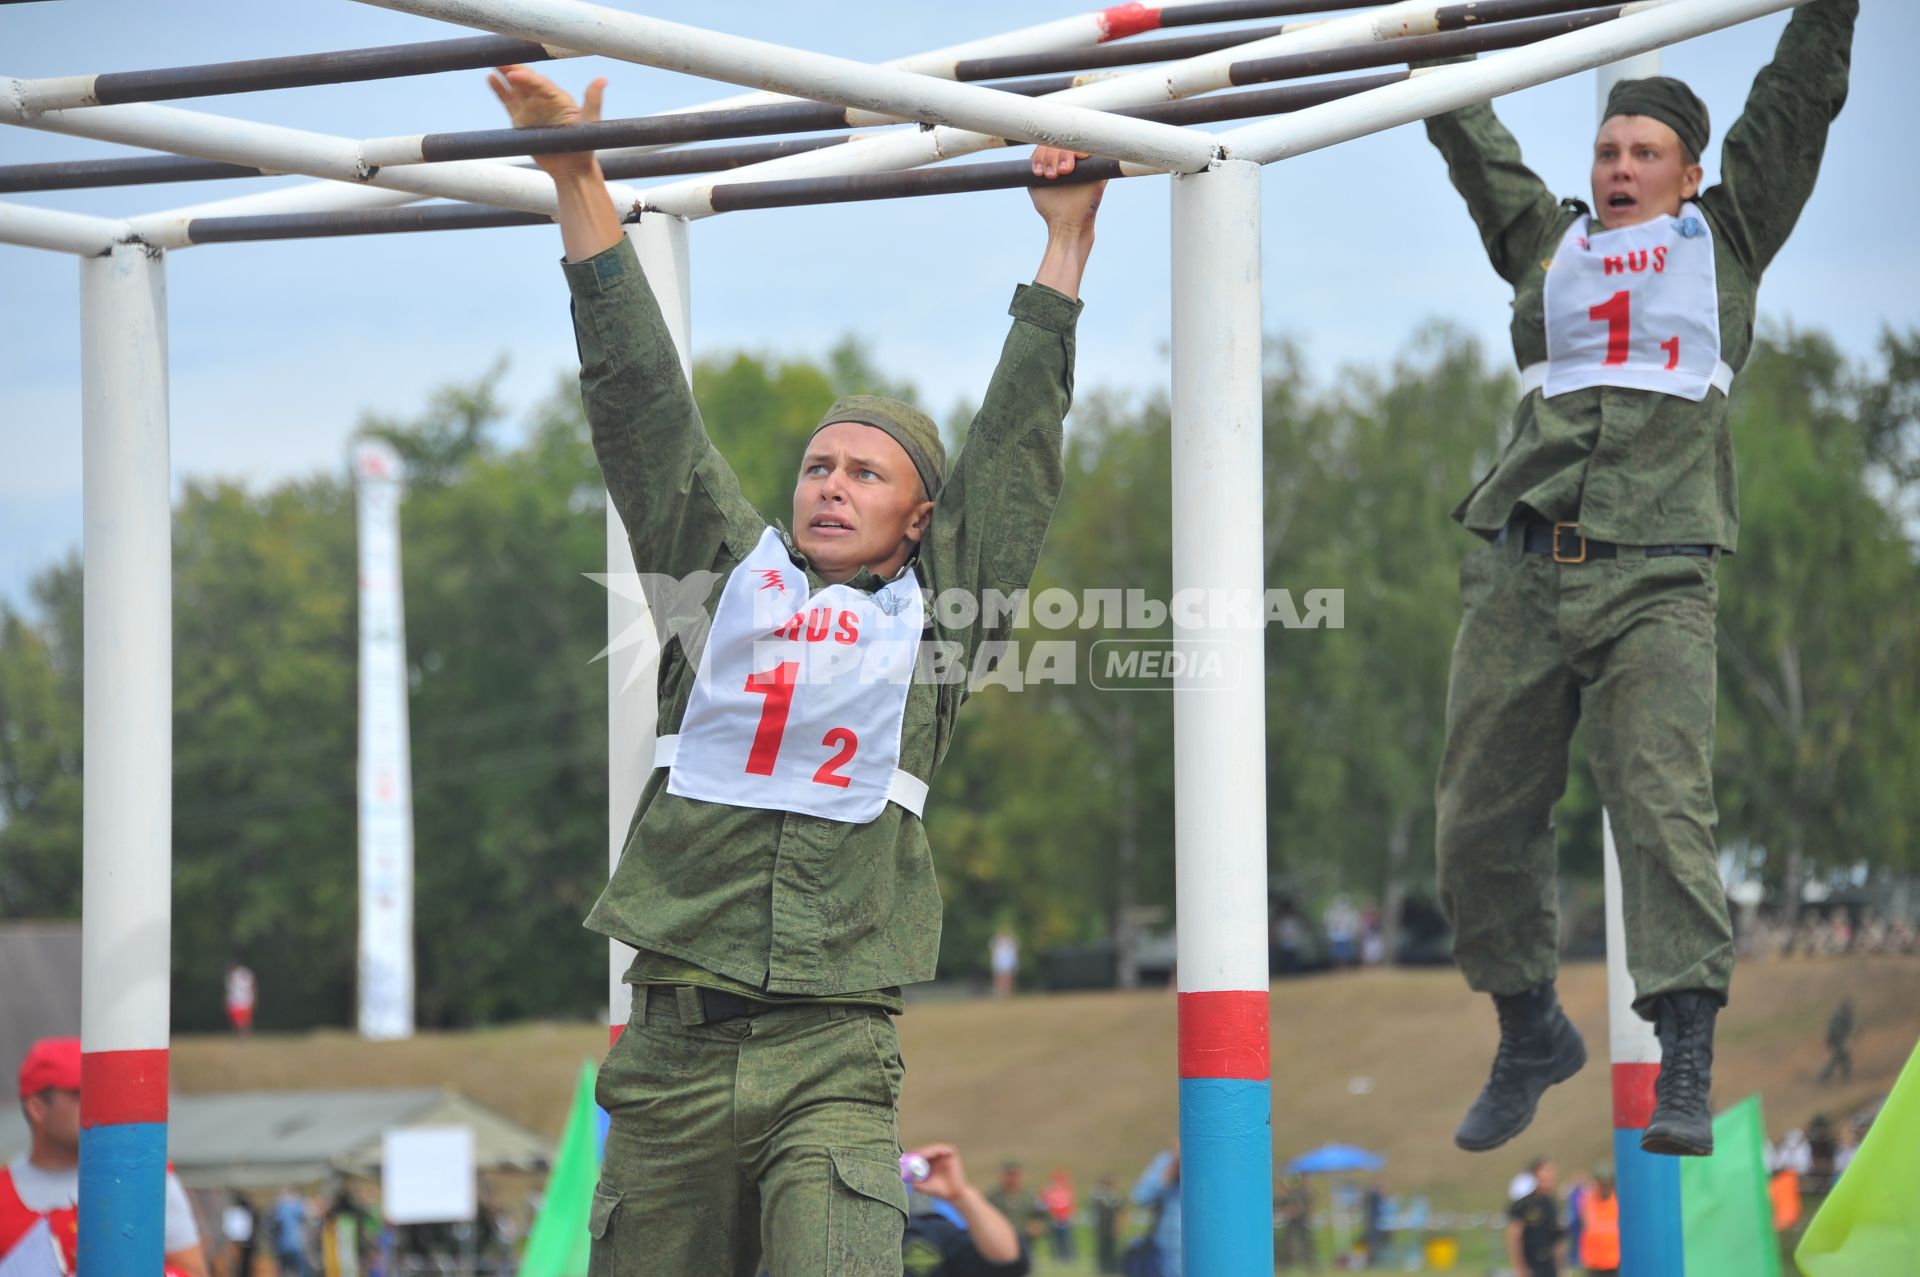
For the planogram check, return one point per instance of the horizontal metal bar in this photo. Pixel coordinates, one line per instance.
(143, 170)
(951, 180)
(343, 66)
(1123, 54)
(1473, 13)
(1258, 102)
(378, 221)
(712, 159)
(1420, 48)
(1193, 15)
(645, 130)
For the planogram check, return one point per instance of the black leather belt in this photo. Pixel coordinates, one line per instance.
(1565, 544)
(717, 1005)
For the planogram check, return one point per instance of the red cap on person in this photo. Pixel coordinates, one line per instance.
(50, 1063)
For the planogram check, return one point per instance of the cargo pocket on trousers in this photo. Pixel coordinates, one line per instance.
(867, 1214)
(603, 1257)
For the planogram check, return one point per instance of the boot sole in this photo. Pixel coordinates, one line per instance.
(1667, 1144)
(1579, 1062)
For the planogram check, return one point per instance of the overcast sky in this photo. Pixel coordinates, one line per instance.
(278, 348)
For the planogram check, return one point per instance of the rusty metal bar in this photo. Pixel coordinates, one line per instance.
(341, 67)
(1420, 48)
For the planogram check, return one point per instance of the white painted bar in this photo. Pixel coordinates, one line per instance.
(1219, 722)
(127, 798)
(1447, 88)
(661, 242)
(673, 46)
(62, 232)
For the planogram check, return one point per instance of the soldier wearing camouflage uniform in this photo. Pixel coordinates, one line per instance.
(1606, 515)
(776, 880)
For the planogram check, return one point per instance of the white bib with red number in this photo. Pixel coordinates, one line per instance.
(800, 699)
(1636, 306)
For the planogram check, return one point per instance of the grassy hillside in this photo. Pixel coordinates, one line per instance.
(1383, 1059)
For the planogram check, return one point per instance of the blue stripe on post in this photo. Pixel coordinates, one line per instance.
(1226, 1177)
(1649, 1187)
(123, 1173)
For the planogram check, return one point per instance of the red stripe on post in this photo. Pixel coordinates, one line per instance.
(613, 1034)
(1224, 1034)
(1633, 1095)
(119, 1087)
(1124, 20)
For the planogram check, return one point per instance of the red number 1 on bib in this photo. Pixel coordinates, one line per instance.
(1617, 314)
(777, 686)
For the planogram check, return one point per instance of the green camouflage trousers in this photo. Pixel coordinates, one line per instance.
(1627, 645)
(772, 1135)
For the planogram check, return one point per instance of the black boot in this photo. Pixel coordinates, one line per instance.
(1682, 1125)
(1538, 1047)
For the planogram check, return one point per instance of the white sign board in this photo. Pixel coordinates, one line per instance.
(427, 1175)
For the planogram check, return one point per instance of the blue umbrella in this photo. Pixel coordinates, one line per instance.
(1334, 1159)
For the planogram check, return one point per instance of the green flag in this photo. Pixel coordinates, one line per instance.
(557, 1243)
(1726, 1217)
(1870, 1223)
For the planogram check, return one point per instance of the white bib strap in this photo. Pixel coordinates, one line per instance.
(905, 789)
(1534, 376)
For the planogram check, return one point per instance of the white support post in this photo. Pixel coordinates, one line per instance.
(127, 802)
(1651, 1239)
(634, 653)
(1219, 724)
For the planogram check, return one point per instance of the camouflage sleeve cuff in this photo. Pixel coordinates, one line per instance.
(603, 271)
(1046, 307)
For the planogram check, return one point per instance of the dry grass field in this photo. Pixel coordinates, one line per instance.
(1383, 1059)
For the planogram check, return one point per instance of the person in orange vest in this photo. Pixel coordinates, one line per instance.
(43, 1184)
(1600, 1225)
(1783, 1191)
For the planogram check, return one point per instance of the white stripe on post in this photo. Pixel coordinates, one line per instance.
(127, 802)
(661, 242)
(1631, 1039)
(1219, 722)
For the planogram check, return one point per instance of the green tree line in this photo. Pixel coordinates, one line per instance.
(1054, 811)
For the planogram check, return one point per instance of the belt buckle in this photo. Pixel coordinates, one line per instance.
(1558, 557)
